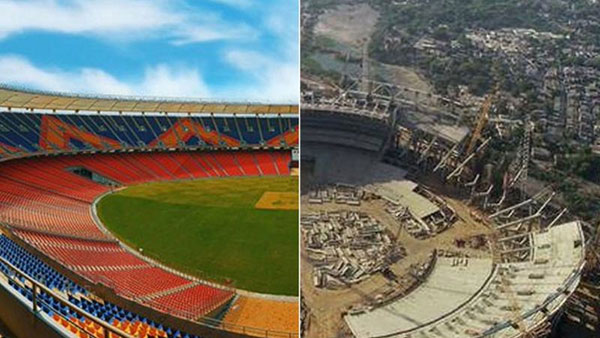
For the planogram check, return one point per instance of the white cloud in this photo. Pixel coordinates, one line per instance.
(160, 80)
(192, 34)
(277, 80)
(164, 80)
(16, 70)
(274, 73)
(282, 19)
(247, 60)
(117, 19)
(272, 80)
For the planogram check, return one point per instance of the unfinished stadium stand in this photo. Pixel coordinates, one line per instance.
(60, 153)
(460, 295)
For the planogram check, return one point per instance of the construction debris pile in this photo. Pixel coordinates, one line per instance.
(427, 226)
(477, 242)
(347, 247)
(339, 194)
(446, 215)
(413, 225)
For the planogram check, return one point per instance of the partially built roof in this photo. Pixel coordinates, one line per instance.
(11, 97)
(401, 192)
(434, 123)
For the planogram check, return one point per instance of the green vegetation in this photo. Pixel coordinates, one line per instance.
(402, 25)
(446, 72)
(450, 18)
(311, 66)
(584, 164)
(210, 229)
(572, 178)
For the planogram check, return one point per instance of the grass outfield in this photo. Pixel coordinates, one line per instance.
(211, 229)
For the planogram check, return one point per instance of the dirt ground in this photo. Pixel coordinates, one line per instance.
(328, 306)
(340, 24)
(403, 76)
(352, 25)
(278, 201)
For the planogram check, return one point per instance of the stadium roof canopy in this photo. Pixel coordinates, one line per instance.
(11, 97)
(402, 193)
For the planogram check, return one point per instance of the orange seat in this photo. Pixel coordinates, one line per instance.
(63, 322)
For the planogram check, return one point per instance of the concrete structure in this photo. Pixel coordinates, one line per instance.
(402, 193)
(519, 290)
(346, 247)
(465, 297)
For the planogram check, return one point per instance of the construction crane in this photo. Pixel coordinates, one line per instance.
(482, 120)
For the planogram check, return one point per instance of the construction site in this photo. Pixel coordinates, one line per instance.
(405, 234)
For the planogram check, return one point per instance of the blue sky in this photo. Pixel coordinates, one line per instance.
(245, 50)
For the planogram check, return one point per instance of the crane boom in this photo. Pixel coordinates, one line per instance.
(481, 122)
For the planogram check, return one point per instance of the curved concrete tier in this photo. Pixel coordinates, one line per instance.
(466, 297)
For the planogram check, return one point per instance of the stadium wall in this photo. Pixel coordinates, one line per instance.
(20, 320)
(345, 129)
